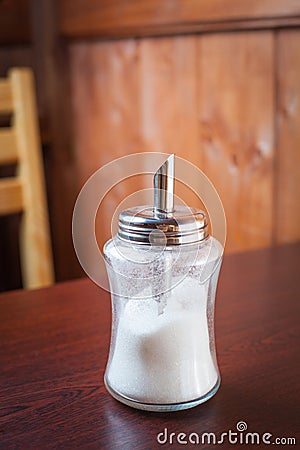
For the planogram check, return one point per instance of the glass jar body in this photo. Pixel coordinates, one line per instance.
(162, 354)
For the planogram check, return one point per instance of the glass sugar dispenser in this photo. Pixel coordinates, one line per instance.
(163, 269)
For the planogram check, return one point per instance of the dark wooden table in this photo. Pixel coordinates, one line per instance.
(54, 345)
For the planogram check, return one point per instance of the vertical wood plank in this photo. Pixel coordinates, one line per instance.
(287, 210)
(169, 121)
(105, 100)
(140, 95)
(168, 93)
(132, 96)
(236, 108)
(104, 78)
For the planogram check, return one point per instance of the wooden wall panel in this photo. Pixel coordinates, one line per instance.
(168, 84)
(168, 107)
(105, 102)
(132, 92)
(150, 94)
(211, 99)
(287, 209)
(105, 82)
(126, 98)
(236, 108)
(107, 19)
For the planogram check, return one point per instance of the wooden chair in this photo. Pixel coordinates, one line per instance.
(20, 144)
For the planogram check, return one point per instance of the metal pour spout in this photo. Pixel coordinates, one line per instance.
(163, 183)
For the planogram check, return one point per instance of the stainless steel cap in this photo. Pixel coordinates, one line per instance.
(185, 226)
(163, 223)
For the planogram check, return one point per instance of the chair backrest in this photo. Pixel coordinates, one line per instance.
(20, 144)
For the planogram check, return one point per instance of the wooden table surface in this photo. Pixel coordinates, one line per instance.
(54, 345)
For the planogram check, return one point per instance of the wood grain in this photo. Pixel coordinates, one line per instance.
(106, 19)
(131, 93)
(191, 96)
(105, 84)
(168, 110)
(54, 346)
(168, 84)
(236, 110)
(287, 212)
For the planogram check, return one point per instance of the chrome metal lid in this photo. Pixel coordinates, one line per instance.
(163, 224)
(185, 226)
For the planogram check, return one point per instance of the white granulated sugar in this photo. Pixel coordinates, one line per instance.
(164, 358)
